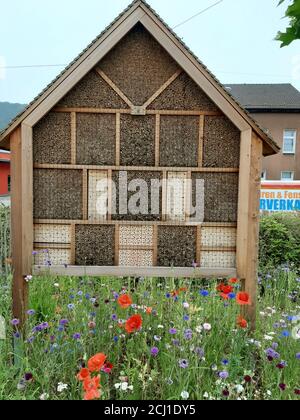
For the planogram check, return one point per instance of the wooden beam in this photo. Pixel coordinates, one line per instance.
(85, 190)
(87, 110)
(157, 140)
(153, 272)
(19, 287)
(132, 223)
(136, 168)
(163, 88)
(118, 139)
(114, 87)
(201, 141)
(165, 196)
(253, 227)
(198, 246)
(27, 198)
(188, 195)
(243, 203)
(117, 245)
(155, 245)
(192, 113)
(109, 194)
(73, 244)
(73, 138)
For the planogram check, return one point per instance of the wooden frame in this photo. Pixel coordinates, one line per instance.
(254, 142)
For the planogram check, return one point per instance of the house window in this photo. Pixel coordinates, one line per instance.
(289, 142)
(287, 176)
(264, 175)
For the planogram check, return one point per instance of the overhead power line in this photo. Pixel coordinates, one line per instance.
(64, 65)
(198, 14)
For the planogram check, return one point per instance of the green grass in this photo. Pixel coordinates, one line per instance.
(54, 356)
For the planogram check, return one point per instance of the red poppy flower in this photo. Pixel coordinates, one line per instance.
(91, 383)
(227, 289)
(134, 324)
(243, 298)
(149, 311)
(241, 322)
(96, 362)
(233, 281)
(125, 301)
(83, 375)
(93, 394)
(220, 287)
(224, 296)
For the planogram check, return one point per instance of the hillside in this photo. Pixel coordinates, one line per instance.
(8, 111)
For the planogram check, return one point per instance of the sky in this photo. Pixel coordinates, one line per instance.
(235, 39)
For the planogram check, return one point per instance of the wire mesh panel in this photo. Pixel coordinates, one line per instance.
(135, 258)
(218, 237)
(49, 257)
(98, 195)
(218, 259)
(136, 246)
(136, 236)
(59, 234)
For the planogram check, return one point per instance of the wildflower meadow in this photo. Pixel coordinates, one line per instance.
(151, 339)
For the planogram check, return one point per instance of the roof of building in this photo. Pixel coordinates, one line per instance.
(266, 97)
(271, 146)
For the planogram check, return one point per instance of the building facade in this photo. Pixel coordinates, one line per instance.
(276, 107)
(4, 173)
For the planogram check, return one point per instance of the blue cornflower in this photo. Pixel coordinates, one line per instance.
(72, 297)
(186, 318)
(285, 333)
(88, 296)
(80, 293)
(204, 293)
(188, 334)
(63, 322)
(77, 336)
(183, 363)
(173, 331)
(223, 375)
(116, 339)
(225, 362)
(232, 295)
(168, 295)
(298, 356)
(114, 317)
(71, 306)
(30, 312)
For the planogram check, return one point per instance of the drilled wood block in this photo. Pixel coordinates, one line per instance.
(58, 234)
(135, 258)
(218, 237)
(136, 236)
(52, 257)
(218, 259)
(98, 195)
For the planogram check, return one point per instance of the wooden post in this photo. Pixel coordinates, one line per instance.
(253, 234)
(20, 287)
(248, 218)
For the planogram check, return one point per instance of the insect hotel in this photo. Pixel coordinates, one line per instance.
(109, 160)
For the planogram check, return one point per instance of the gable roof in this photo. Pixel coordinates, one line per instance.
(138, 11)
(266, 97)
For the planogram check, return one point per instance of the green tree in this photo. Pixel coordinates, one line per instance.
(293, 30)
